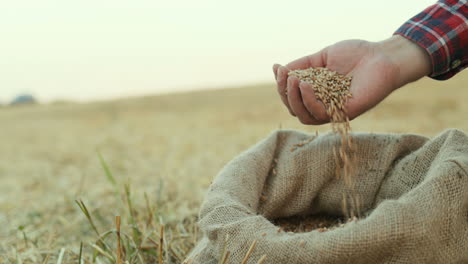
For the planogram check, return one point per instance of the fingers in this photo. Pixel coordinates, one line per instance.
(288, 88)
(312, 104)
(296, 102)
(275, 70)
(281, 80)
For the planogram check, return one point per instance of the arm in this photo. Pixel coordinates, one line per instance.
(442, 31)
(379, 68)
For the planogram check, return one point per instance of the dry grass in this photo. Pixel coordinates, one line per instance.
(167, 147)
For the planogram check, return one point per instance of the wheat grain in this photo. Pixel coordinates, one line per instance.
(333, 90)
(302, 243)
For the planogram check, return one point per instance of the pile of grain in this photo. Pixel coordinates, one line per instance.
(303, 224)
(333, 90)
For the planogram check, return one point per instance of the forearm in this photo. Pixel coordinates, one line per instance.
(412, 61)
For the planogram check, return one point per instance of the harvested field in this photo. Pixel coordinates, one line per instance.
(159, 155)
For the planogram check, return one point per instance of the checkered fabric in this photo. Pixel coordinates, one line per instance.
(442, 30)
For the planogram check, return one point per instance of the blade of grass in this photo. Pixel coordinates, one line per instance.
(25, 238)
(173, 248)
(119, 250)
(85, 211)
(136, 231)
(104, 253)
(149, 209)
(60, 257)
(80, 256)
(107, 170)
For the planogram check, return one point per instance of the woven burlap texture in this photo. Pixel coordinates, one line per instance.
(414, 192)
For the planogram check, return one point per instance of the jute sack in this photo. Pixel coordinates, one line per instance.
(414, 193)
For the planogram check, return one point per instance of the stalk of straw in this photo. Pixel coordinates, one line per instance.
(249, 252)
(161, 243)
(262, 259)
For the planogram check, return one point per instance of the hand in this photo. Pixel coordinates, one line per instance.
(377, 68)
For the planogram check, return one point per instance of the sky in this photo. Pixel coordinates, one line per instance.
(102, 49)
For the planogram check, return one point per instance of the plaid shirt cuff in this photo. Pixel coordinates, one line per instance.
(442, 30)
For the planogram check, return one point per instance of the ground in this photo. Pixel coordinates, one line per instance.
(159, 155)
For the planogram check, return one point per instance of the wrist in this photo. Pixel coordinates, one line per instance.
(412, 61)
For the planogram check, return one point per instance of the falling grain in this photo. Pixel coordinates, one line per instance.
(333, 90)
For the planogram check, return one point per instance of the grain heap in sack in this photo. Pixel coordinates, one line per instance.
(294, 197)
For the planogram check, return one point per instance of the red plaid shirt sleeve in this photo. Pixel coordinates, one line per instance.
(442, 30)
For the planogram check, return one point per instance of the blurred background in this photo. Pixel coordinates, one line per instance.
(124, 108)
(97, 50)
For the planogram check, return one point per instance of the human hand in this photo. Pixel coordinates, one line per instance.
(377, 68)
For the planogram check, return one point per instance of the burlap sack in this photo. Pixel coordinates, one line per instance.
(414, 191)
